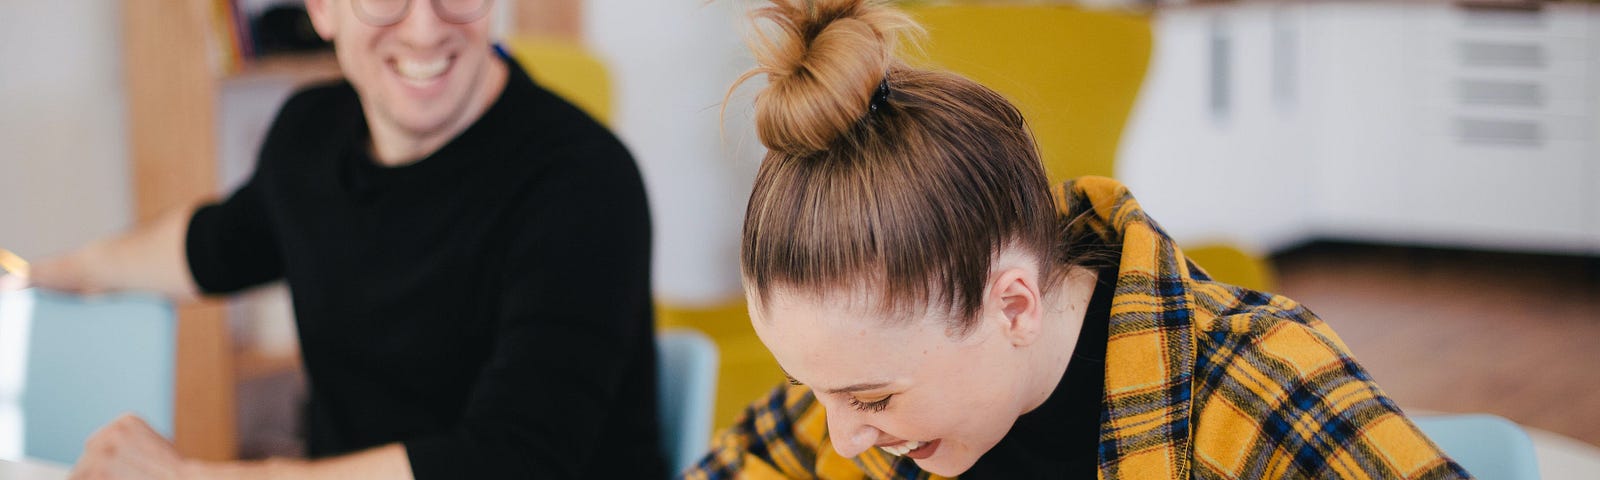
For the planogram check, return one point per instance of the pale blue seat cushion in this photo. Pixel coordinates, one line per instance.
(88, 360)
(688, 386)
(1489, 447)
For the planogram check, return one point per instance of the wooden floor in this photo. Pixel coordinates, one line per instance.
(1513, 335)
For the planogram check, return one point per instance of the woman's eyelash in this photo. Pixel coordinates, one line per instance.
(874, 407)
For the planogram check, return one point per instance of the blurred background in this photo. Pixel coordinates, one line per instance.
(1425, 175)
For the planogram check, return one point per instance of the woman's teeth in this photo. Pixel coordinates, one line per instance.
(418, 71)
(902, 449)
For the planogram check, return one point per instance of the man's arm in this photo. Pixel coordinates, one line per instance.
(148, 258)
(385, 462)
(128, 448)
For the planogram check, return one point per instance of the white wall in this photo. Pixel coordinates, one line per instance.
(672, 61)
(63, 170)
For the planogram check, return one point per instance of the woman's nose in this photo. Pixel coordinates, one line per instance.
(849, 433)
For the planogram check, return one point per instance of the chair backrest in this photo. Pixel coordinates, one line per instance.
(567, 69)
(69, 365)
(688, 387)
(1229, 264)
(1486, 445)
(1073, 72)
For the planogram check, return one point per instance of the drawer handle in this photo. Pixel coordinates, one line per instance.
(1484, 131)
(1500, 93)
(1501, 55)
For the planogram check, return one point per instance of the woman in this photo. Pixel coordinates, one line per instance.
(939, 313)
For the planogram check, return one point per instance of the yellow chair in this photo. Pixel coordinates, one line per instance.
(1074, 74)
(1229, 264)
(566, 68)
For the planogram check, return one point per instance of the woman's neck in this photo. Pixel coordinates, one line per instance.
(1065, 309)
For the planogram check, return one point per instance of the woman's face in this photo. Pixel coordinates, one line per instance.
(898, 383)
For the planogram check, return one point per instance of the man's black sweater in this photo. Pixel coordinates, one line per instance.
(489, 305)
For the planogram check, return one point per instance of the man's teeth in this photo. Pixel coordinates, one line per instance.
(421, 71)
(902, 449)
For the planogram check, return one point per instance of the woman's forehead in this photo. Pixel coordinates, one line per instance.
(863, 303)
(844, 344)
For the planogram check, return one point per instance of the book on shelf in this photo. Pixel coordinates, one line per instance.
(243, 31)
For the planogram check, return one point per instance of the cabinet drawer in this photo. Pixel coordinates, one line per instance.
(1557, 19)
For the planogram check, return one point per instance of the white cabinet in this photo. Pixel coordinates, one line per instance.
(1420, 123)
(1592, 157)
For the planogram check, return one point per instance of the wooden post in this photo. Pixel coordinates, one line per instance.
(172, 94)
(561, 19)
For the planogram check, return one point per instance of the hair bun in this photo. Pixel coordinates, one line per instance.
(823, 60)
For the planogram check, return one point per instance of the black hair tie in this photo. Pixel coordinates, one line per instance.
(880, 97)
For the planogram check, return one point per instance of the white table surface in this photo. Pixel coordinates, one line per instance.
(31, 470)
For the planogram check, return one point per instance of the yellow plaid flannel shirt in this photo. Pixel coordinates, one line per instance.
(1203, 380)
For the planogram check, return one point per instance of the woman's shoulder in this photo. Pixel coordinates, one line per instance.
(1236, 323)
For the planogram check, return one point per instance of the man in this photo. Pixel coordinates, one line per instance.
(468, 257)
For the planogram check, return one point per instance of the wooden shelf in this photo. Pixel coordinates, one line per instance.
(304, 68)
(253, 363)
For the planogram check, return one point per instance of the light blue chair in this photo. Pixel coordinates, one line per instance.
(1489, 447)
(687, 395)
(87, 361)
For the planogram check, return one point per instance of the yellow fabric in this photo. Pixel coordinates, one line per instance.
(1203, 380)
(1074, 73)
(568, 70)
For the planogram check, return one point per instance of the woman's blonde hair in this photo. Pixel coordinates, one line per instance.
(880, 174)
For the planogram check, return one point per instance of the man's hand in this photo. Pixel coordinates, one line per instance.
(127, 448)
(149, 258)
(68, 273)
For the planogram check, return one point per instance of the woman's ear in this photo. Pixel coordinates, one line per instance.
(1015, 297)
(323, 18)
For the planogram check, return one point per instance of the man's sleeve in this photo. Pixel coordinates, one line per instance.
(230, 244)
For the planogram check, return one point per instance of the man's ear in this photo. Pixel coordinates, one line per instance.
(323, 18)
(1014, 294)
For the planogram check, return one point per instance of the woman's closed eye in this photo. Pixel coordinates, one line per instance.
(872, 406)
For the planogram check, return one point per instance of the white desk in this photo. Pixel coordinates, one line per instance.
(31, 470)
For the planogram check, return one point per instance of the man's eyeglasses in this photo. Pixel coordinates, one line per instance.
(383, 13)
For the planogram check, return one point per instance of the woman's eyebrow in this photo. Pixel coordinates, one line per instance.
(859, 387)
